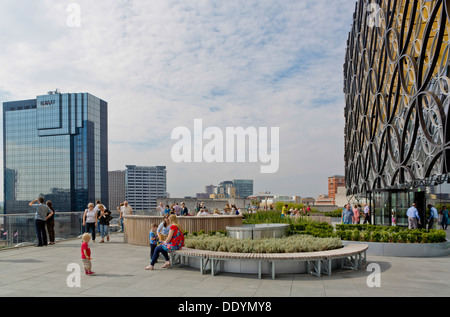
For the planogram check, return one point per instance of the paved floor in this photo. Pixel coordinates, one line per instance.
(119, 267)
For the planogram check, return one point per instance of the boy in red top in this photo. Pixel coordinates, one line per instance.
(86, 253)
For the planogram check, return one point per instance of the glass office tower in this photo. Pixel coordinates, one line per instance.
(244, 187)
(55, 146)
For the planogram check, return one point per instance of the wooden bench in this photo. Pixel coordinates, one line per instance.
(352, 257)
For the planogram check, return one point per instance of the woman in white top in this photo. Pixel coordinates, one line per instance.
(90, 220)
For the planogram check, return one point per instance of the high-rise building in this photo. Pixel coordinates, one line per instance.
(55, 146)
(144, 184)
(244, 187)
(117, 188)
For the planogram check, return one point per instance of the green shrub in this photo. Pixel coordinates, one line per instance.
(396, 234)
(291, 244)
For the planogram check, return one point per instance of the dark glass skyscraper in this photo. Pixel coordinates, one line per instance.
(56, 146)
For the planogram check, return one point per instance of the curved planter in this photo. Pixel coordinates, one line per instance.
(405, 249)
(258, 231)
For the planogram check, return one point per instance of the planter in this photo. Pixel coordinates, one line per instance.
(405, 249)
(258, 231)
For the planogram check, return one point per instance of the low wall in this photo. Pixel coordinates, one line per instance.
(137, 227)
(405, 249)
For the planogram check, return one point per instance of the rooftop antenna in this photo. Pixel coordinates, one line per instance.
(57, 91)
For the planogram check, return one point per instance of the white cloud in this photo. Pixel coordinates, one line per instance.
(161, 64)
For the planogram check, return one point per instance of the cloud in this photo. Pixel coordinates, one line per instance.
(161, 64)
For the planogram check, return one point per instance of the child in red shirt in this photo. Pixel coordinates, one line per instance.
(86, 253)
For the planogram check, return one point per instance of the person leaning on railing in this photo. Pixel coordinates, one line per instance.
(41, 216)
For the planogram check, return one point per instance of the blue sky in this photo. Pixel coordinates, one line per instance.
(162, 64)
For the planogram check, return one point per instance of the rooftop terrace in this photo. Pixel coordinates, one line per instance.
(42, 271)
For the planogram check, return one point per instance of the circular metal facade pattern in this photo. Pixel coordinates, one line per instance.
(397, 93)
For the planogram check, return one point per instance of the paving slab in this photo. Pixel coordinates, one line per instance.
(45, 271)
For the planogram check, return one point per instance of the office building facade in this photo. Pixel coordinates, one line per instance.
(334, 182)
(244, 187)
(396, 85)
(117, 188)
(55, 146)
(144, 184)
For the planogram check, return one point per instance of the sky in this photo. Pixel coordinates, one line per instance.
(162, 64)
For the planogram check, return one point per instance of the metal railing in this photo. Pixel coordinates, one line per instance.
(18, 230)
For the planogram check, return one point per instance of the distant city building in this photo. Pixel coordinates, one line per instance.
(144, 185)
(334, 182)
(244, 187)
(308, 201)
(117, 188)
(223, 190)
(238, 188)
(55, 146)
(324, 200)
(202, 196)
(209, 190)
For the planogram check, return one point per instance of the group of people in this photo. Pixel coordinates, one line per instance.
(439, 217)
(295, 212)
(44, 221)
(356, 214)
(175, 209)
(94, 217)
(200, 209)
(166, 237)
(97, 217)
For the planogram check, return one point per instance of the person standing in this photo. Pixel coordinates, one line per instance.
(445, 218)
(413, 217)
(284, 211)
(366, 214)
(153, 237)
(355, 215)
(160, 209)
(184, 210)
(347, 215)
(86, 253)
(42, 213)
(177, 209)
(433, 216)
(90, 220)
(103, 216)
(360, 211)
(125, 210)
(50, 223)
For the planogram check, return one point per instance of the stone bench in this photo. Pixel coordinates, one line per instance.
(349, 257)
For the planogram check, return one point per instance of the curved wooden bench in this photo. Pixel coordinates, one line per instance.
(351, 256)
